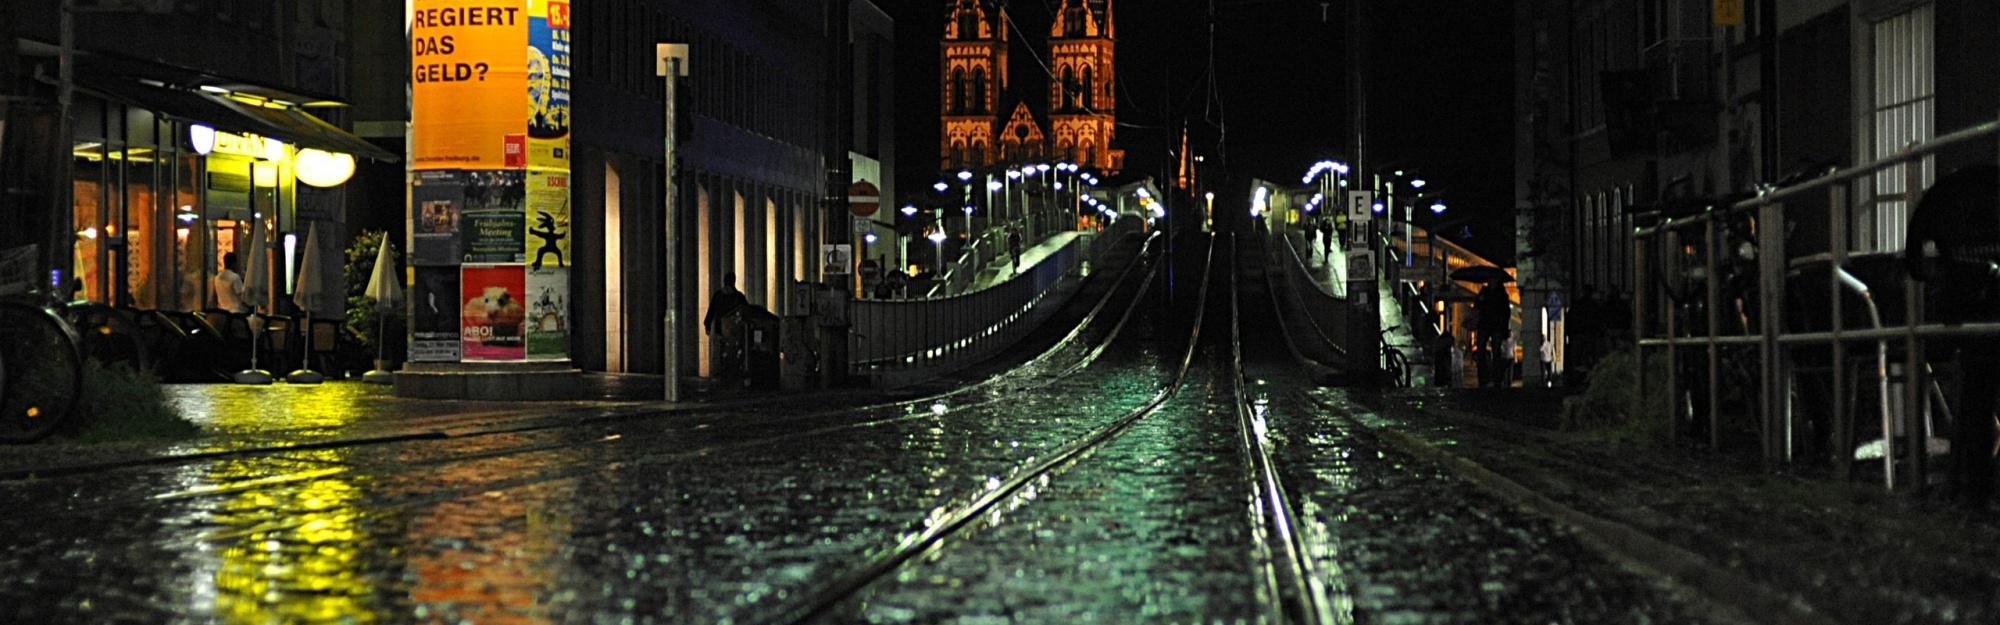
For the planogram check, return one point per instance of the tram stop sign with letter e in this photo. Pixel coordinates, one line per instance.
(863, 198)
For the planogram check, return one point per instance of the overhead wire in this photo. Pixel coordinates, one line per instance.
(1221, 116)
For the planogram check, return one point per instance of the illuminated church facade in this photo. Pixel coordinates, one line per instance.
(985, 125)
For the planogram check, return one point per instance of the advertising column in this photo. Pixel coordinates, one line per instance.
(490, 202)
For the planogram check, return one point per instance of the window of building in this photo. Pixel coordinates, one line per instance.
(979, 91)
(1905, 101)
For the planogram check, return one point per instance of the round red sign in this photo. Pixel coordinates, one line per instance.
(863, 199)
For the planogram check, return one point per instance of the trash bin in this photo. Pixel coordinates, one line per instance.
(760, 345)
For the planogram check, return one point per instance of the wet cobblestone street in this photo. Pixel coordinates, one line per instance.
(1079, 487)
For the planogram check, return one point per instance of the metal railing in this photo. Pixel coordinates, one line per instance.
(975, 258)
(1795, 324)
(900, 341)
(1324, 311)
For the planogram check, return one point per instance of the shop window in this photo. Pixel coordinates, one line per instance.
(189, 236)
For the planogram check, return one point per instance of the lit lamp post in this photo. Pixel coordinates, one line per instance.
(1007, 196)
(937, 239)
(1208, 208)
(1048, 205)
(1437, 257)
(1409, 231)
(909, 211)
(992, 185)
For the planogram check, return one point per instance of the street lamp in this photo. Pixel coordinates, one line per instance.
(1007, 196)
(1409, 230)
(937, 239)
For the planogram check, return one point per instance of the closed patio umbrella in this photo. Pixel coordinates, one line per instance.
(310, 295)
(386, 290)
(256, 294)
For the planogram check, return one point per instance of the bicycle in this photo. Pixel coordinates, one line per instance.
(43, 378)
(1395, 366)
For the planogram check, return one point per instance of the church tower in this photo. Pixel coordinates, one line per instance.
(1083, 103)
(973, 57)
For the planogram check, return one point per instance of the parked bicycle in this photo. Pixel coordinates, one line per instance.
(41, 363)
(43, 376)
(1395, 366)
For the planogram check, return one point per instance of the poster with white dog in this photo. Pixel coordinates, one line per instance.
(492, 321)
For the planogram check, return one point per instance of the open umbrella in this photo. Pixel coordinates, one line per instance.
(1481, 274)
(256, 294)
(310, 294)
(385, 289)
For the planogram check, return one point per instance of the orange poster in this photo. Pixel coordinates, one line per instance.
(468, 71)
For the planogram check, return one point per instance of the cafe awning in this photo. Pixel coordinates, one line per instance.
(271, 119)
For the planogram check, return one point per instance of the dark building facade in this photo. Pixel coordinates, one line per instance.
(1629, 106)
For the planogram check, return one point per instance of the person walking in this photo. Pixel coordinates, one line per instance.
(1495, 312)
(1325, 238)
(1014, 247)
(1548, 361)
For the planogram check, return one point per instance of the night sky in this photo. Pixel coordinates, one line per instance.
(1440, 93)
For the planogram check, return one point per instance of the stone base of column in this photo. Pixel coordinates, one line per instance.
(553, 380)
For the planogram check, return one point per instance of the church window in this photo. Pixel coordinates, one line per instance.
(958, 91)
(1089, 90)
(1070, 97)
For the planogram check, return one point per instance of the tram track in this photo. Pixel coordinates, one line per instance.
(1291, 587)
(1286, 549)
(828, 596)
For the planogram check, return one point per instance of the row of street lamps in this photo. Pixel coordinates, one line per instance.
(1035, 219)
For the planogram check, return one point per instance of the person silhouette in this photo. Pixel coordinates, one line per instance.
(1494, 314)
(549, 236)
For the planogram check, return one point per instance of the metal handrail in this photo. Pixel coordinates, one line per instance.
(1772, 196)
(1775, 341)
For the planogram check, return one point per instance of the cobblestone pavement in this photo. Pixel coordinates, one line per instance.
(617, 512)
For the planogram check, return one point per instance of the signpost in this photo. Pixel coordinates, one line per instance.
(1360, 206)
(671, 66)
(863, 198)
(836, 259)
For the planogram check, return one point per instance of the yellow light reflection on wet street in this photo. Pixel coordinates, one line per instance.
(289, 550)
(251, 408)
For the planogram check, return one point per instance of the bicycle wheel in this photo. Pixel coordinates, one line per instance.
(45, 372)
(1397, 368)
